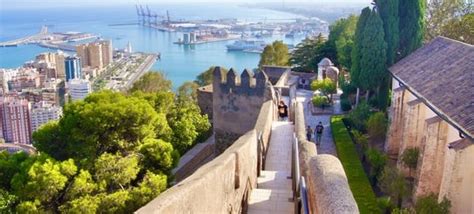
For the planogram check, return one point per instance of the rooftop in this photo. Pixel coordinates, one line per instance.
(441, 73)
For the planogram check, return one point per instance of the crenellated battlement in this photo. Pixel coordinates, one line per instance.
(247, 83)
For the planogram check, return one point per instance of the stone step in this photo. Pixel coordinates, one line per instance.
(270, 201)
(277, 180)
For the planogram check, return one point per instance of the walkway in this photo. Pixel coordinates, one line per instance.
(327, 144)
(273, 193)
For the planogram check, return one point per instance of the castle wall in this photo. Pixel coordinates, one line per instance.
(204, 100)
(236, 104)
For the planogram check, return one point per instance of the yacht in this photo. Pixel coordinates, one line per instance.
(242, 45)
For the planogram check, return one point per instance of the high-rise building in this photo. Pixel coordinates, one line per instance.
(107, 52)
(15, 117)
(96, 55)
(60, 65)
(73, 68)
(42, 113)
(78, 89)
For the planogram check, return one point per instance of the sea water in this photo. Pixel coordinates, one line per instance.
(179, 63)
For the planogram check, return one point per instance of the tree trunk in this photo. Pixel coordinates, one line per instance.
(367, 96)
(357, 96)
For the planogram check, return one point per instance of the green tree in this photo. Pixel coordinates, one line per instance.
(377, 162)
(326, 86)
(410, 158)
(377, 127)
(115, 170)
(359, 116)
(341, 36)
(266, 58)
(373, 60)
(152, 81)
(449, 18)
(7, 202)
(188, 92)
(308, 53)
(9, 166)
(388, 10)
(274, 54)
(159, 155)
(429, 204)
(356, 54)
(393, 183)
(320, 101)
(205, 78)
(411, 13)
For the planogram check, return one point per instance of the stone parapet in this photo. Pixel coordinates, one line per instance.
(220, 186)
(328, 188)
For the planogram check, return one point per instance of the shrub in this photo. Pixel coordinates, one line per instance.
(358, 181)
(377, 162)
(377, 127)
(393, 183)
(429, 204)
(345, 104)
(361, 139)
(320, 101)
(410, 158)
(359, 116)
(325, 86)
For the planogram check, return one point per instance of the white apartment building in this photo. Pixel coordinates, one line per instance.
(42, 113)
(78, 89)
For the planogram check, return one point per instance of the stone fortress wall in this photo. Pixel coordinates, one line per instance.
(244, 109)
(236, 103)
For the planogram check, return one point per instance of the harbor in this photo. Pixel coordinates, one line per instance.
(45, 39)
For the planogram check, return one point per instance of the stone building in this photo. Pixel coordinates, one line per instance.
(326, 69)
(433, 110)
(236, 103)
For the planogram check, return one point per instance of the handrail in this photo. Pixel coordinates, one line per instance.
(300, 197)
(304, 196)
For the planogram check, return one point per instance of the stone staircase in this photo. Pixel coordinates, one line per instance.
(273, 194)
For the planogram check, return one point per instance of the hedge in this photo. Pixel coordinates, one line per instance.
(358, 180)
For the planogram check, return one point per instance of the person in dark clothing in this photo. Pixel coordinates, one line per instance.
(309, 132)
(319, 132)
(282, 110)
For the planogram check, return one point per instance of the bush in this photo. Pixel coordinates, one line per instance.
(361, 139)
(358, 181)
(320, 101)
(393, 183)
(377, 162)
(345, 104)
(325, 86)
(410, 158)
(429, 204)
(359, 116)
(377, 127)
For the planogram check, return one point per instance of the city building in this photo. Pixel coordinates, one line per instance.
(128, 49)
(42, 113)
(73, 68)
(15, 118)
(25, 78)
(96, 55)
(78, 89)
(6, 75)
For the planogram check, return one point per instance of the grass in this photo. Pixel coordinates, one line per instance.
(358, 180)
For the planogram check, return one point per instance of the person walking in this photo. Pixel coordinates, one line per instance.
(282, 110)
(309, 132)
(319, 132)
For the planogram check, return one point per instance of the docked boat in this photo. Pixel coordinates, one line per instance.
(242, 45)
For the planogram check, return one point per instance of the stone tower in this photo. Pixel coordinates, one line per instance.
(236, 104)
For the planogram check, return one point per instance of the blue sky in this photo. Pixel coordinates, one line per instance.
(7, 4)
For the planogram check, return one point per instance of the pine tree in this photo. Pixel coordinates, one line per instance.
(411, 13)
(388, 10)
(373, 54)
(356, 50)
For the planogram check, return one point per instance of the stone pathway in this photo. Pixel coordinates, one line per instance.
(327, 145)
(274, 192)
